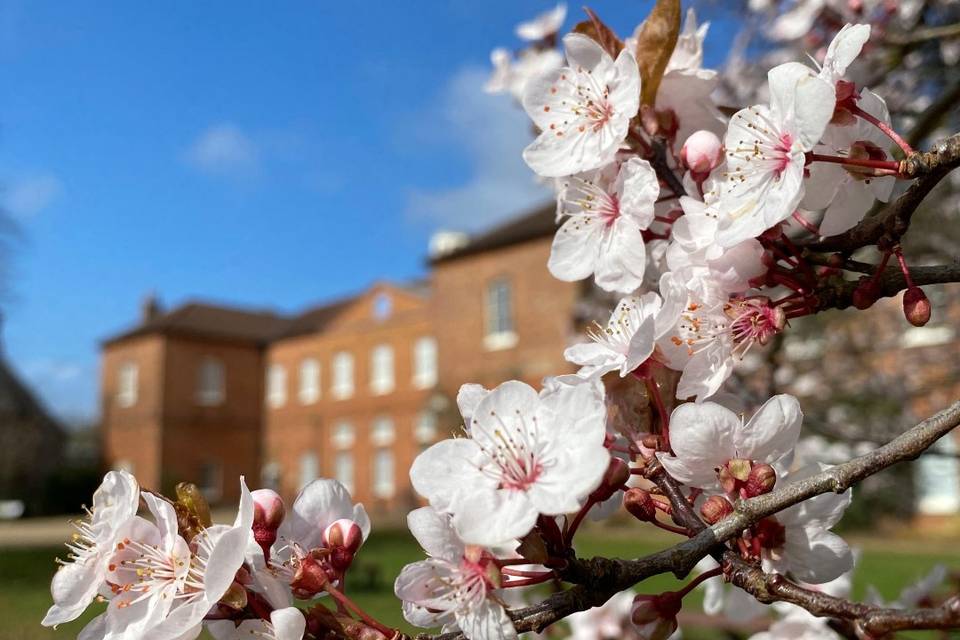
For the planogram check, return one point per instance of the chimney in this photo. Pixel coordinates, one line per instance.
(150, 308)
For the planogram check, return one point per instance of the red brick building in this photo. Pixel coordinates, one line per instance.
(353, 389)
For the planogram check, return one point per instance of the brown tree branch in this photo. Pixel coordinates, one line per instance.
(892, 223)
(597, 579)
(875, 621)
(837, 293)
(917, 36)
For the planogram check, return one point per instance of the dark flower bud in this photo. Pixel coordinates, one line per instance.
(866, 293)
(916, 307)
(617, 474)
(715, 509)
(761, 480)
(639, 503)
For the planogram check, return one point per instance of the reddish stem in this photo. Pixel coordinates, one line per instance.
(903, 267)
(526, 582)
(806, 224)
(577, 520)
(889, 165)
(342, 599)
(669, 527)
(883, 126)
(523, 574)
(693, 584)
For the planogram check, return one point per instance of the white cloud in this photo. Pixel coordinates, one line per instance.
(491, 131)
(224, 150)
(30, 195)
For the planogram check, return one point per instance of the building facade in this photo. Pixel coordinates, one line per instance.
(352, 390)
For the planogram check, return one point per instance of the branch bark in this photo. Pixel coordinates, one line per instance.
(597, 579)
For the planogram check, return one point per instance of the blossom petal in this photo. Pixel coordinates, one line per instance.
(443, 469)
(491, 518)
(576, 247)
(487, 621)
(435, 534)
(701, 435)
(622, 257)
(288, 623)
(817, 558)
(772, 432)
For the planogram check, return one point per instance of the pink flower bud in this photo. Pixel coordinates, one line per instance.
(916, 307)
(761, 480)
(866, 293)
(268, 513)
(639, 503)
(617, 474)
(343, 538)
(702, 152)
(715, 509)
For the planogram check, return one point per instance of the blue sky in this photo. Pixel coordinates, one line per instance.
(230, 151)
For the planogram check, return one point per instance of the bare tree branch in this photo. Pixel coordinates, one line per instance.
(597, 579)
(875, 621)
(837, 293)
(917, 36)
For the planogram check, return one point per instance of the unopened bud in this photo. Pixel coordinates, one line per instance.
(656, 616)
(617, 474)
(866, 293)
(916, 307)
(343, 538)
(715, 509)
(739, 468)
(639, 503)
(702, 152)
(761, 480)
(268, 513)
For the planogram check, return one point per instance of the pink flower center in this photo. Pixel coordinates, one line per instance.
(753, 320)
(781, 153)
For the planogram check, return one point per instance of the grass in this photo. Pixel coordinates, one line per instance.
(24, 587)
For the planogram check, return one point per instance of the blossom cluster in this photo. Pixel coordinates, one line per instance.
(692, 224)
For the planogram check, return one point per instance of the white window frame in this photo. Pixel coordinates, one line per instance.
(384, 473)
(309, 391)
(425, 362)
(211, 382)
(128, 383)
(382, 379)
(425, 431)
(276, 385)
(500, 325)
(342, 375)
(343, 469)
(383, 433)
(309, 468)
(343, 435)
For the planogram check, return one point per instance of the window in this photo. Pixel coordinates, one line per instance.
(383, 473)
(342, 435)
(210, 383)
(382, 433)
(270, 475)
(276, 385)
(381, 369)
(342, 375)
(425, 363)
(426, 430)
(211, 480)
(309, 468)
(309, 381)
(127, 384)
(500, 332)
(343, 469)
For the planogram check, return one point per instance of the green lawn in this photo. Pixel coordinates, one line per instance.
(25, 574)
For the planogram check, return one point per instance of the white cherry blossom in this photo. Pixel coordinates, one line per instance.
(544, 25)
(285, 624)
(456, 587)
(583, 110)
(712, 333)
(78, 580)
(219, 554)
(766, 149)
(844, 193)
(607, 211)
(527, 455)
(807, 549)
(706, 436)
